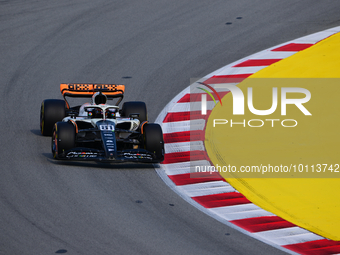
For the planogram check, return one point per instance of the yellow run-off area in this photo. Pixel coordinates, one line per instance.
(297, 154)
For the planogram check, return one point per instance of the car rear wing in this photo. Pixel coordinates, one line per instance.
(87, 90)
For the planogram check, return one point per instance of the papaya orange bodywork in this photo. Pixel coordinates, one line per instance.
(87, 90)
(77, 89)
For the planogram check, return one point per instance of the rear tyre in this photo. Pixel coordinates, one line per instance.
(153, 140)
(136, 107)
(52, 111)
(63, 138)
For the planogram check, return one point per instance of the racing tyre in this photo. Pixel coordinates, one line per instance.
(63, 138)
(135, 107)
(52, 111)
(153, 140)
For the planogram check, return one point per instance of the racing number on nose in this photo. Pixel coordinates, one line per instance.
(107, 127)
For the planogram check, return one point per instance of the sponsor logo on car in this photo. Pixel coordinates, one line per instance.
(83, 154)
(136, 155)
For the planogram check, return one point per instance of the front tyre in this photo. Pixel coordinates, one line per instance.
(52, 111)
(153, 140)
(63, 138)
(135, 107)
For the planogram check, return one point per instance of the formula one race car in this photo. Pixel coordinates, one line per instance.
(99, 131)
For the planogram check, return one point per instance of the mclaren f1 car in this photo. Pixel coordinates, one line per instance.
(100, 131)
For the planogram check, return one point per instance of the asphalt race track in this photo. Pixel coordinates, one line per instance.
(153, 47)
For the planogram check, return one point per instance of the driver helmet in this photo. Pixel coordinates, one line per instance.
(99, 98)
